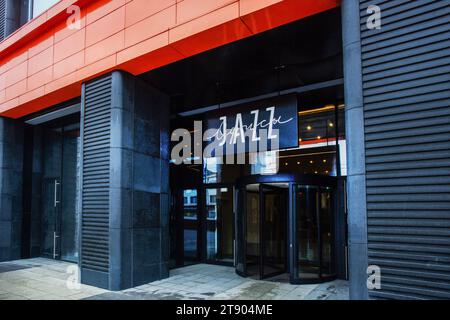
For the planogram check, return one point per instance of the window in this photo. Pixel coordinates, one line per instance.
(194, 200)
(39, 6)
(185, 200)
(212, 199)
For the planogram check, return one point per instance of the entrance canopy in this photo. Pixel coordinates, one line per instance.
(46, 61)
(299, 54)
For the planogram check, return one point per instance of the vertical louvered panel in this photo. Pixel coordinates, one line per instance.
(96, 160)
(2, 19)
(406, 86)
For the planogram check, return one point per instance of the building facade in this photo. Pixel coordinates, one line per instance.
(95, 96)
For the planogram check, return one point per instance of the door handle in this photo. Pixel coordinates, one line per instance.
(56, 202)
(54, 245)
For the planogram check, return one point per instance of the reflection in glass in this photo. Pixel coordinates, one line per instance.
(320, 162)
(274, 229)
(240, 231)
(52, 156)
(308, 263)
(222, 170)
(39, 6)
(190, 222)
(252, 232)
(264, 163)
(326, 227)
(219, 222)
(70, 213)
(60, 202)
(314, 232)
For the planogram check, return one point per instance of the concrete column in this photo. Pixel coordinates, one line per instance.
(11, 167)
(139, 194)
(356, 179)
(138, 185)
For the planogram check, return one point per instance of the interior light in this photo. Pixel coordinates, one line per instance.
(315, 172)
(324, 161)
(311, 161)
(331, 124)
(298, 162)
(308, 127)
(286, 164)
(328, 107)
(319, 137)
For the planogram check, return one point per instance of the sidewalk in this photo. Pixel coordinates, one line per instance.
(46, 279)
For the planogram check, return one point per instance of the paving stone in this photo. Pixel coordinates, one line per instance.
(41, 278)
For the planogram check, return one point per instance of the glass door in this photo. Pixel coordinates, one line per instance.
(60, 194)
(240, 227)
(69, 221)
(261, 230)
(313, 234)
(269, 209)
(51, 192)
(248, 251)
(273, 230)
(307, 232)
(252, 225)
(191, 226)
(219, 224)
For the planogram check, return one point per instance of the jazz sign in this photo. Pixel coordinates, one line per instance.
(272, 123)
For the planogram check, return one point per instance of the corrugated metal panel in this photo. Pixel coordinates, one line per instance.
(2, 19)
(406, 86)
(96, 158)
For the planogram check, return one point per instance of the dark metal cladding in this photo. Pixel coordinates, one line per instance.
(406, 91)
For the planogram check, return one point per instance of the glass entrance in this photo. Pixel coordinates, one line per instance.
(60, 215)
(202, 226)
(219, 224)
(190, 226)
(314, 244)
(285, 226)
(274, 214)
(264, 230)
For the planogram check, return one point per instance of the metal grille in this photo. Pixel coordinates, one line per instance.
(96, 159)
(406, 86)
(2, 19)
